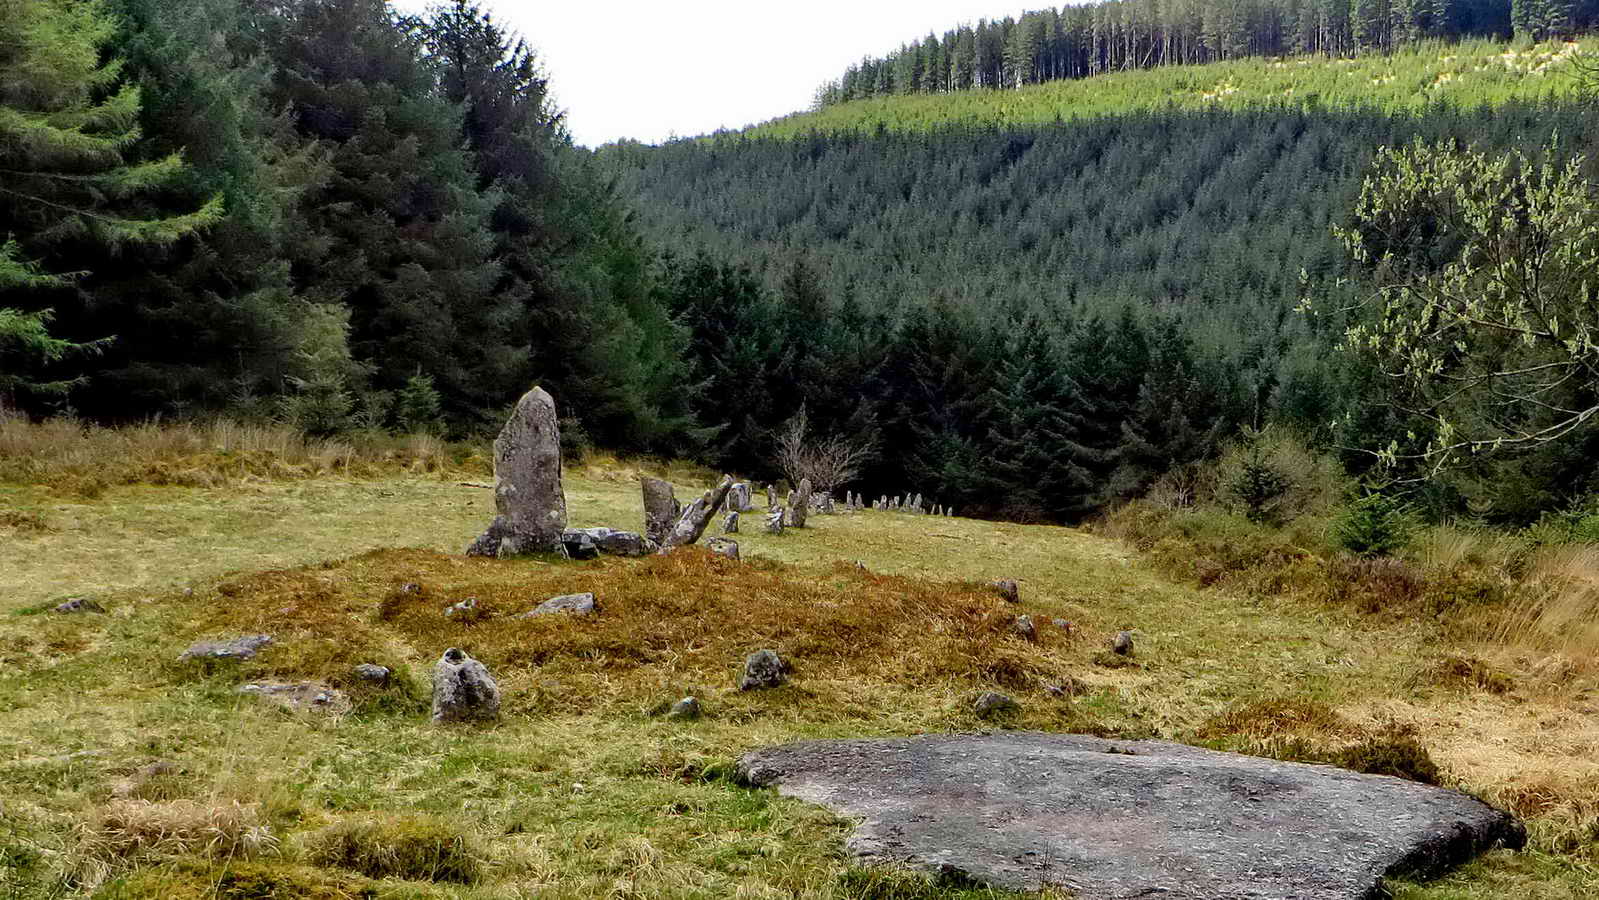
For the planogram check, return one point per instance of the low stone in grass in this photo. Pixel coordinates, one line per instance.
(576, 604)
(240, 648)
(373, 673)
(1122, 644)
(1007, 590)
(579, 545)
(991, 703)
(78, 606)
(613, 542)
(723, 547)
(1024, 627)
(466, 610)
(463, 689)
(686, 708)
(763, 669)
(300, 697)
(730, 523)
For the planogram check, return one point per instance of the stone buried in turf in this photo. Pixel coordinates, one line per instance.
(373, 673)
(239, 648)
(300, 697)
(463, 689)
(576, 604)
(1114, 820)
(686, 708)
(528, 498)
(76, 606)
(723, 547)
(762, 670)
(1122, 644)
(1024, 627)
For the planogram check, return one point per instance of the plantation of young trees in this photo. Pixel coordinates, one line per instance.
(1116, 35)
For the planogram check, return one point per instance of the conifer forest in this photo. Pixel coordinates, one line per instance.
(334, 215)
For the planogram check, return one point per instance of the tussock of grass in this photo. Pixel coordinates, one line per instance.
(1301, 730)
(410, 847)
(82, 459)
(236, 881)
(222, 830)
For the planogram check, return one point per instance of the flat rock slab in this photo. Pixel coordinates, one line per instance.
(1115, 820)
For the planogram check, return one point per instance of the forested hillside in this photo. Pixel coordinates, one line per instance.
(1037, 319)
(1079, 41)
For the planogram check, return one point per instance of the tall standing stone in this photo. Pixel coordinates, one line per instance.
(661, 508)
(528, 498)
(739, 498)
(799, 503)
(771, 496)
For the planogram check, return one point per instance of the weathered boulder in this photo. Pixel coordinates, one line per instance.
(615, 543)
(463, 689)
(576, 604)
(580, 545)
(244, 647)
(298, 697)
(77, 606)
(661, 508)
(691, 524)
(1007, 590)
(723, 547)
(774, 522)
(528, 498)
(1115, 820)
(373, 673)
(990, 702)
(730, 523)
(1122, 644)
(763, 669)
(799, 503)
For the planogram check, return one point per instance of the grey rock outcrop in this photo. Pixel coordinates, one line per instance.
(463, 689)
(774, 522)
(300, 697)
(77, 606)
(730, 523)
(1114, 820)
(763, 669)
(244, 647)
(616, 543)
(691, 524)
(528, 498)
(576, 604)
(723, 547)
(661, 508)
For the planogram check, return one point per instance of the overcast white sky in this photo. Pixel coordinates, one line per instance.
(623, 68)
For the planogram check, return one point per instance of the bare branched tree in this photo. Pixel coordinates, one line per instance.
(827, 461)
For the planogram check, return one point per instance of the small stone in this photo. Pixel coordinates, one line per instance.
(371, 672)
(411, 587)
(577, 604)
(1024, 627)
(463, 689)
(305, 696)
(686, 708)
(763, 669)
(1122, 644)
(466, 609)
(1007, 589)
(78, 605)
(239, 648)
(990, 702)
(579, 545)
(730, 523)
(723, 547)
(1063, 625)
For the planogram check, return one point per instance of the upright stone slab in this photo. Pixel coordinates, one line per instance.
(738, 499)
(730, 523)
(463, 689)
(799, 503)
(661, 508)
(528, 498)
(771, 496)
(774, 521)
(691, 524)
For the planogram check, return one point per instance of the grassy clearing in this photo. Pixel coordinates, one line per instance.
(584, 790)
(1466, 74)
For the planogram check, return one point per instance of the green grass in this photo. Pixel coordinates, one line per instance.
(1466, 74)
(580, 791)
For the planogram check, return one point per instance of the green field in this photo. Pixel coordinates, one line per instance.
(583, 790)
(1466, 74)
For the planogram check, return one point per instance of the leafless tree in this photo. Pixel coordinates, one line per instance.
(827, 461)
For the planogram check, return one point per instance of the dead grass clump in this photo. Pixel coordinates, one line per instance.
(1561, 811)
(24, 522)
(1373, 585)
(1467, 672)
(1557, 607)
(123, 829)
(411, 847)
(1277, 717)
(664, 622)
(1298, 730)
(1393, 750)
